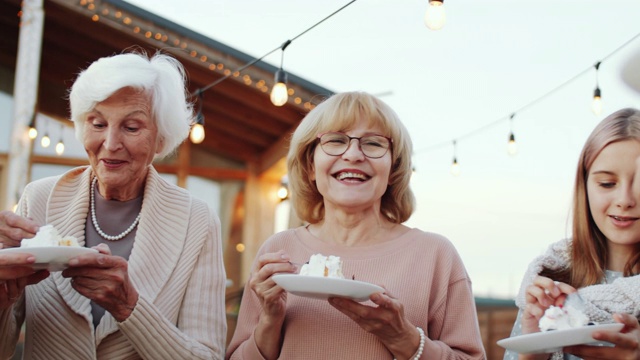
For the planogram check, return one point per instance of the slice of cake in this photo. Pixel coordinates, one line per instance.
(562, 317)
(48, 236)
(324, 266)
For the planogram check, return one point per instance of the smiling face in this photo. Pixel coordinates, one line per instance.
(612, 189)
(121, 140)
(352, 180)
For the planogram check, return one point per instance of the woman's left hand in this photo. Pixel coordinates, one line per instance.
(386, 321)
(104, 279)
(627, 342)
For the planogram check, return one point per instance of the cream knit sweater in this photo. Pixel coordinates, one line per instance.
(176, 266)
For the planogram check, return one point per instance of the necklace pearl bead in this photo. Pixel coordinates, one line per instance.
(95, 220)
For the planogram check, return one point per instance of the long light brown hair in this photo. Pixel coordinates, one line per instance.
(341, 112)
(589, 250)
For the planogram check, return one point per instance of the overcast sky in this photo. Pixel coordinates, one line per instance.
(492, 58)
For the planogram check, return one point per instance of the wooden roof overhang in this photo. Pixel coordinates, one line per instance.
(241, 123)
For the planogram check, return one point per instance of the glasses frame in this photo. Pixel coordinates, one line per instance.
(319, 136)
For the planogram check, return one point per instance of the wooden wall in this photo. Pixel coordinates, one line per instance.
(496, 322)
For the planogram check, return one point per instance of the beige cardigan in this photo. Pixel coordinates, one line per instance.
(175, 264)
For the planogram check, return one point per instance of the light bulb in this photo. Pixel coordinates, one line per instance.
(197, 134)
(596, 105)
(33, 133)
(283, 192)
(512, 147)
(279, 95)
(455, 168)
(45, 141)
(435, 16)
(60, 148)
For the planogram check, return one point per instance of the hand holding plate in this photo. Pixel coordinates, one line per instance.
(626, 342)
(386, 321)
(104, 279)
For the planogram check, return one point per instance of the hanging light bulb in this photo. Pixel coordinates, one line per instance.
(196, 135)
(45, 141)
(596, 105)
(60, 148)
(512, 148)
(33, 132)
(435, 16)
(283, 192)
(455, 167)
(279, 95)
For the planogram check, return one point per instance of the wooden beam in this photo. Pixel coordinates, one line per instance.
(206, 172)
(56, 160)
(184, 154)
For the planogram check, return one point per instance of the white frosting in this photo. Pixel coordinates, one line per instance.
(48, 236)
(560, 318)
(326, 266)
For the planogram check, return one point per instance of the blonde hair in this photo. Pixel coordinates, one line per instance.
(342, 112)
(589, 250)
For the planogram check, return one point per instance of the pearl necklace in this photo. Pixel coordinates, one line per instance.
(95, 220)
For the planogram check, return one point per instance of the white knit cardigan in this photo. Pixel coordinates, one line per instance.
(175, 264)
(601, 301)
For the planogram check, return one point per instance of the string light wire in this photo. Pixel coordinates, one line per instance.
(240, 69)
(526, 106)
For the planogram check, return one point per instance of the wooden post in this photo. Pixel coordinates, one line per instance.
(184, 161)
(25, 96)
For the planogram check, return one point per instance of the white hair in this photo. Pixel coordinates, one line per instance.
(161, 76)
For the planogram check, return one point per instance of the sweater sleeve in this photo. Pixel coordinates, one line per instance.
(11, 319)
(201, 330)
(455, 324)
(243, 344)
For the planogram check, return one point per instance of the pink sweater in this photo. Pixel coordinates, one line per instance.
(421, 269)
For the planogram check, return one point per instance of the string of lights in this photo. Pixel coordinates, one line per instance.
(279, 93)
(596, 108)
(281, 47)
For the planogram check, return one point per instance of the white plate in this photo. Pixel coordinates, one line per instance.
(52, 258)
(322, 288)
(555, 340)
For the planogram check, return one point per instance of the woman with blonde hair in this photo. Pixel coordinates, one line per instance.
(349, 169)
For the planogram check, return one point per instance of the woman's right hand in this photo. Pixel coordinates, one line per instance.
(14, 228)
(273, 301)
(272, 297)
(15, 274)
(541, 294)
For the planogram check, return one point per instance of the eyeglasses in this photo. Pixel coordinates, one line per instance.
(337, 143)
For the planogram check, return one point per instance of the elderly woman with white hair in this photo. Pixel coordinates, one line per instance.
(155, 287)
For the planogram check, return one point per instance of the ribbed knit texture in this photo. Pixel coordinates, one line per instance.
(176, 266)
(601, 300)
(423, 270)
